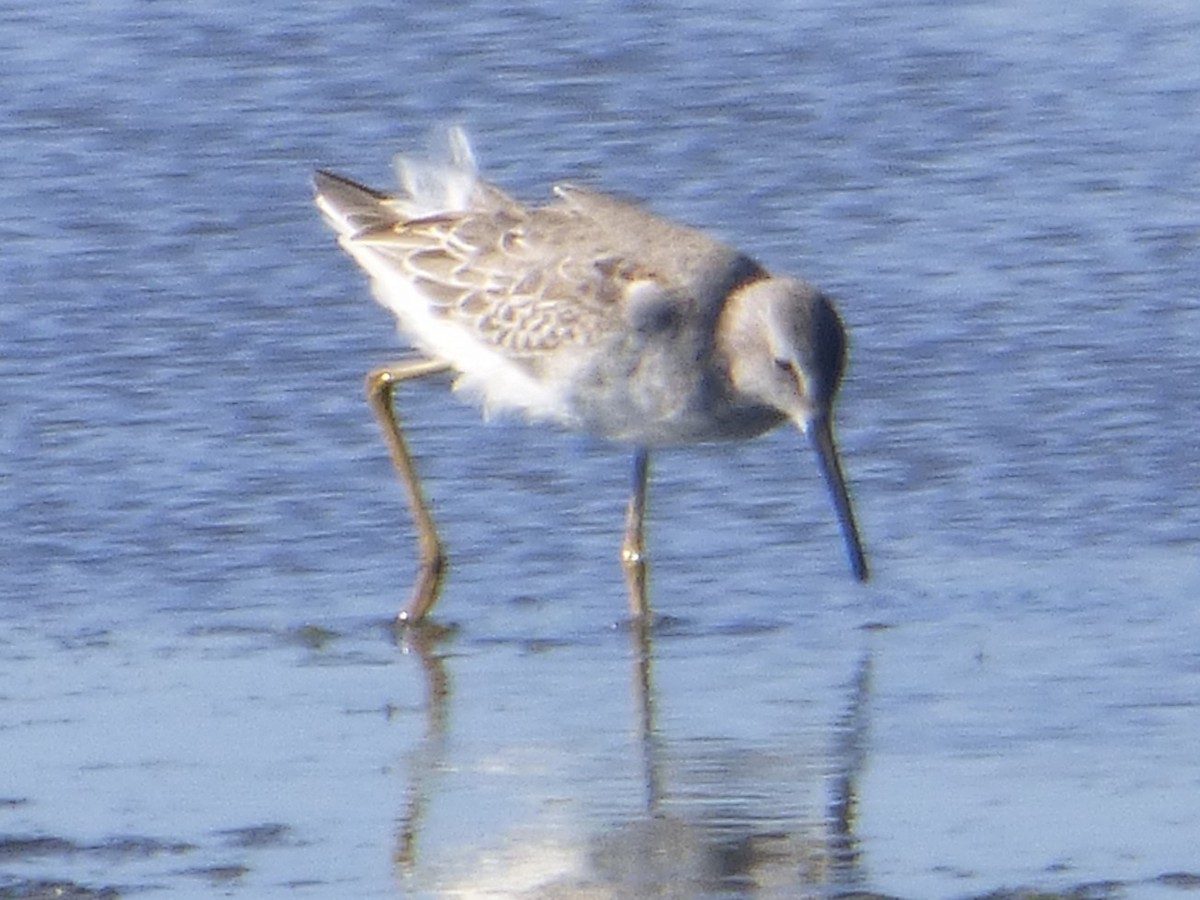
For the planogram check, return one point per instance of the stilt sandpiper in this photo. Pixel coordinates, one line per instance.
(591, 313)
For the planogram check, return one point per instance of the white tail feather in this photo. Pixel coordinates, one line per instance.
(444, 181)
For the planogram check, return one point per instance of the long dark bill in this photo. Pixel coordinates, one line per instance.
(820, 433)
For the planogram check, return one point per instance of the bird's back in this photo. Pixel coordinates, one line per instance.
(590, 310)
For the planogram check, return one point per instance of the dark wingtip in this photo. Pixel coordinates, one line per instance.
(324, 182)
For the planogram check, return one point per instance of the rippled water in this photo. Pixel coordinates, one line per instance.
(199, 691)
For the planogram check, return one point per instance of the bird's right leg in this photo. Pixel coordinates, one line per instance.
(633, 548)
(381, 385)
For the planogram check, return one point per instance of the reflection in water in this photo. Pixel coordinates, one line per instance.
(729, 826)
(849, 758)
(425, 758)
(644, 695)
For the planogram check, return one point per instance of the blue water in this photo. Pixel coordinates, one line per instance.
(203, 540)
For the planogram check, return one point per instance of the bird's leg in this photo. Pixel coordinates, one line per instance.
(381, 385)
(633, 548)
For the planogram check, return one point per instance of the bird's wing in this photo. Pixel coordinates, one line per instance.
(694, 263)
(527, 281)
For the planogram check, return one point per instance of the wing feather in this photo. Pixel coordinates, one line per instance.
(530, 281)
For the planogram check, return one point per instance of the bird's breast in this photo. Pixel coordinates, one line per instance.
(665, 393)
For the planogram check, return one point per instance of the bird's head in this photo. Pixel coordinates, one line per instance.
(786, 348)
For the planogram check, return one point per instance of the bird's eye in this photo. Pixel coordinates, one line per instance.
(783, 366)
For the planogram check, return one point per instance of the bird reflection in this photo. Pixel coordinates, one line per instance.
(849, 758)
(720, 818)
(423, 643)
(645, 700)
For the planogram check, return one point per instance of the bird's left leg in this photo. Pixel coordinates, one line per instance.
(381, 385)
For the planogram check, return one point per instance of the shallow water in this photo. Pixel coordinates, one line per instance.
(199, 690)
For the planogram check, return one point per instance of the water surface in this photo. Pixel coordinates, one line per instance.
(199, 689)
